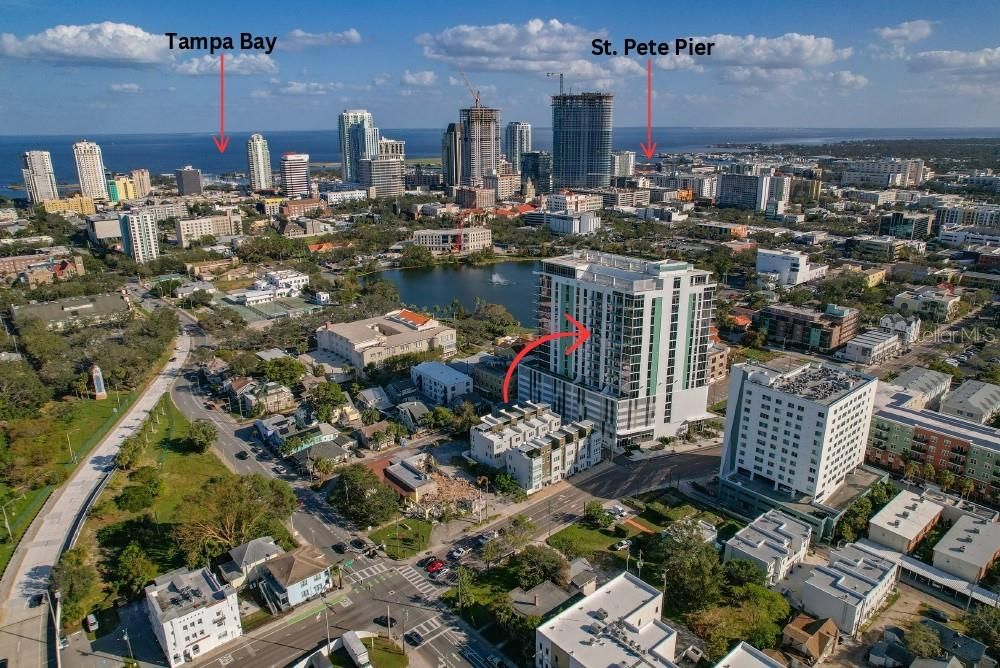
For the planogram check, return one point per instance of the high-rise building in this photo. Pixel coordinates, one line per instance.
(295, 174)
(643, 372)
(39, 177)
(382, 176)
(143, 185)
(358, 141)
(90, 170)
(188, 180)
(798, 431)
(451, 155)
(259, 163)
(622, 163)
(536, 166)
(517, 140)
(480, 137)
(121, 188)
(743, 191)
(140, 235)
(581, 140)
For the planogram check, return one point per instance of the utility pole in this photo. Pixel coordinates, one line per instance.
(69, 446)
(6, 523)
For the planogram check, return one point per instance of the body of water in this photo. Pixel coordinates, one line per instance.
(509, 283)
(163, 153)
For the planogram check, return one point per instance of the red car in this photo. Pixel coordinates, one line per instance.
(435, 566)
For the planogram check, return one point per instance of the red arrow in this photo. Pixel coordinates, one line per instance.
(649, 148)
(222, 141)
(580, 333)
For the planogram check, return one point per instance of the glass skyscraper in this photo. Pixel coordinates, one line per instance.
(581, 140)
(536, 166)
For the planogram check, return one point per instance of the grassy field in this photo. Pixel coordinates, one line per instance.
(754, 354)
(386, 654)
(109, 529)
(86, 422)
(404, 538)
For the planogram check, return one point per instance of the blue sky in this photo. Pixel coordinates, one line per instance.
(98, 67)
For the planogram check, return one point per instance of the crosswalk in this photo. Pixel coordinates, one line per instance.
(361, 575)
(420, 582)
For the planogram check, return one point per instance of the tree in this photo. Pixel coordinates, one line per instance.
(692, 569)
(492, 552)
(202, 435)
(324, 466)
(133, 570)
(852, 524)
(945, 479)
(966, 487)
(284, 370)
(362, 497)
(929, 471)
(739, 572)
(596, 516)
(134, 498)
(370, 416)
(463, 582)
(536, 563)
(922, 641)
(519, 531)
(416, 256)
(21, 391)
(325, 399)
(912, 471)
(983, 624)
(230, 511)
(244, 364)
(76, 580)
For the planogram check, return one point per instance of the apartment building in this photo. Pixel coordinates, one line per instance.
(78, 204)
(786, 268)
(928, 302)
(887, 173)
(973, 400)
(454, 240)
(904, 521)
(140, 235)
(969, 548)
(191, 230)
(774, 541)
(574, 202)
(375, 340)
(873, 347)
(850, 589)
(439, 382)
(882, 248)
(805, 328)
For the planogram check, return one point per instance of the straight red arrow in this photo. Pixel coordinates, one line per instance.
(580, 333)
(649, 148)
(222, 141)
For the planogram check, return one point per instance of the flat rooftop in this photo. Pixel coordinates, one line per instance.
(970, 539)
(616, 270)
(896, 410)
(820, 383)
(180, 592)
(907, 515)
(922, 380)
(603, 629)
(745, 655)
(771, 537)
(851, 574)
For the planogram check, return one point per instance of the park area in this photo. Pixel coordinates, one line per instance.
(404, 537)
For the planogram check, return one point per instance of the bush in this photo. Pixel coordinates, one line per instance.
(621, 531)
(134, 498)
(659, 508)
(635, 504)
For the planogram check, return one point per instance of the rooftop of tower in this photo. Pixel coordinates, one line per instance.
(821, 383)
(617, 270)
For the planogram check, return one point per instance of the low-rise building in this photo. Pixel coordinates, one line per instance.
(774, 541)
(873, 347)
(296, 577)
(727, 231)
(439, 382)
(470, 197)
(800, 327)
(228, 224)
(533, 445)
(933, 385)
(268, 398)
(745, 655)
(904, 521)
(562, 223)
(973, 400)
(456, 240)
(78, 204)
(718, 362)
(614, 625)
(883, 248)
(786, 268)
(539, 601)
(809, 641)
(927, 302)
(75, 311)
(245, 561)
(970, 547)
(191, 614)
(376, 340)
(411, 476)
(908, 328)
(850, 589)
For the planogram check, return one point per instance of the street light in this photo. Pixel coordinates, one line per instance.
(69, 446)
(6, 523)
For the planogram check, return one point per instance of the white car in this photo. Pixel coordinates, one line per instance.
(622, 545)
(951, 361)
(440, 573)
(619, 511)
(458, 553)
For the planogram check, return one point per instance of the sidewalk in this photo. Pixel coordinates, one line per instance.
(674, 449)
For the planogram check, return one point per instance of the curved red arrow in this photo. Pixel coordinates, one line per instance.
(580, 333)
(222, 141)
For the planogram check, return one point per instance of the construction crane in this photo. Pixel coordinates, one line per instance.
(472, 91)
(557, 74)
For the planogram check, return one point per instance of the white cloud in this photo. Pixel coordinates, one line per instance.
(906, 32)
(300, 39)
(846, 79)
(762, 77)
(104, 43)
(980, 64)
(125, 88)
(381, 79)
(307, 88)
(260, 94)
(791, 50)
(241, 63)
(423, 78)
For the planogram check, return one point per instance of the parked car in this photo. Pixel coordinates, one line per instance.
(414, 638)
(435, 566)
(619, 511)
(35, 600)
(279, 469)
(496, 661)
(339, 548)
(91, 623)
(427, 561)
(440, 573)
(951, 361)
(458, 553)
(358, 544)
(622, 545)
(242, 454)
(484, 538)
(937, 615)
(385, 621)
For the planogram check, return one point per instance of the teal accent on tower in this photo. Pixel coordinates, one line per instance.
(654, 367)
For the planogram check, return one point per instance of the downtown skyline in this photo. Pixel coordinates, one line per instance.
(897, 66)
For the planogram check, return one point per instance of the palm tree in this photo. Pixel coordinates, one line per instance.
(966, 487)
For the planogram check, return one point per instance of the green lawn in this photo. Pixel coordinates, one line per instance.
(488, 587)
(403, 538)
(755, 354)
(386, 654)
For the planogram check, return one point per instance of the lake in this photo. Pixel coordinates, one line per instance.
(509, 283)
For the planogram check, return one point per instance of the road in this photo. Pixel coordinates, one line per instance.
(24, 630)
(929, 344)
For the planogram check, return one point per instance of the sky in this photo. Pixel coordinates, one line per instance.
(106, 67)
